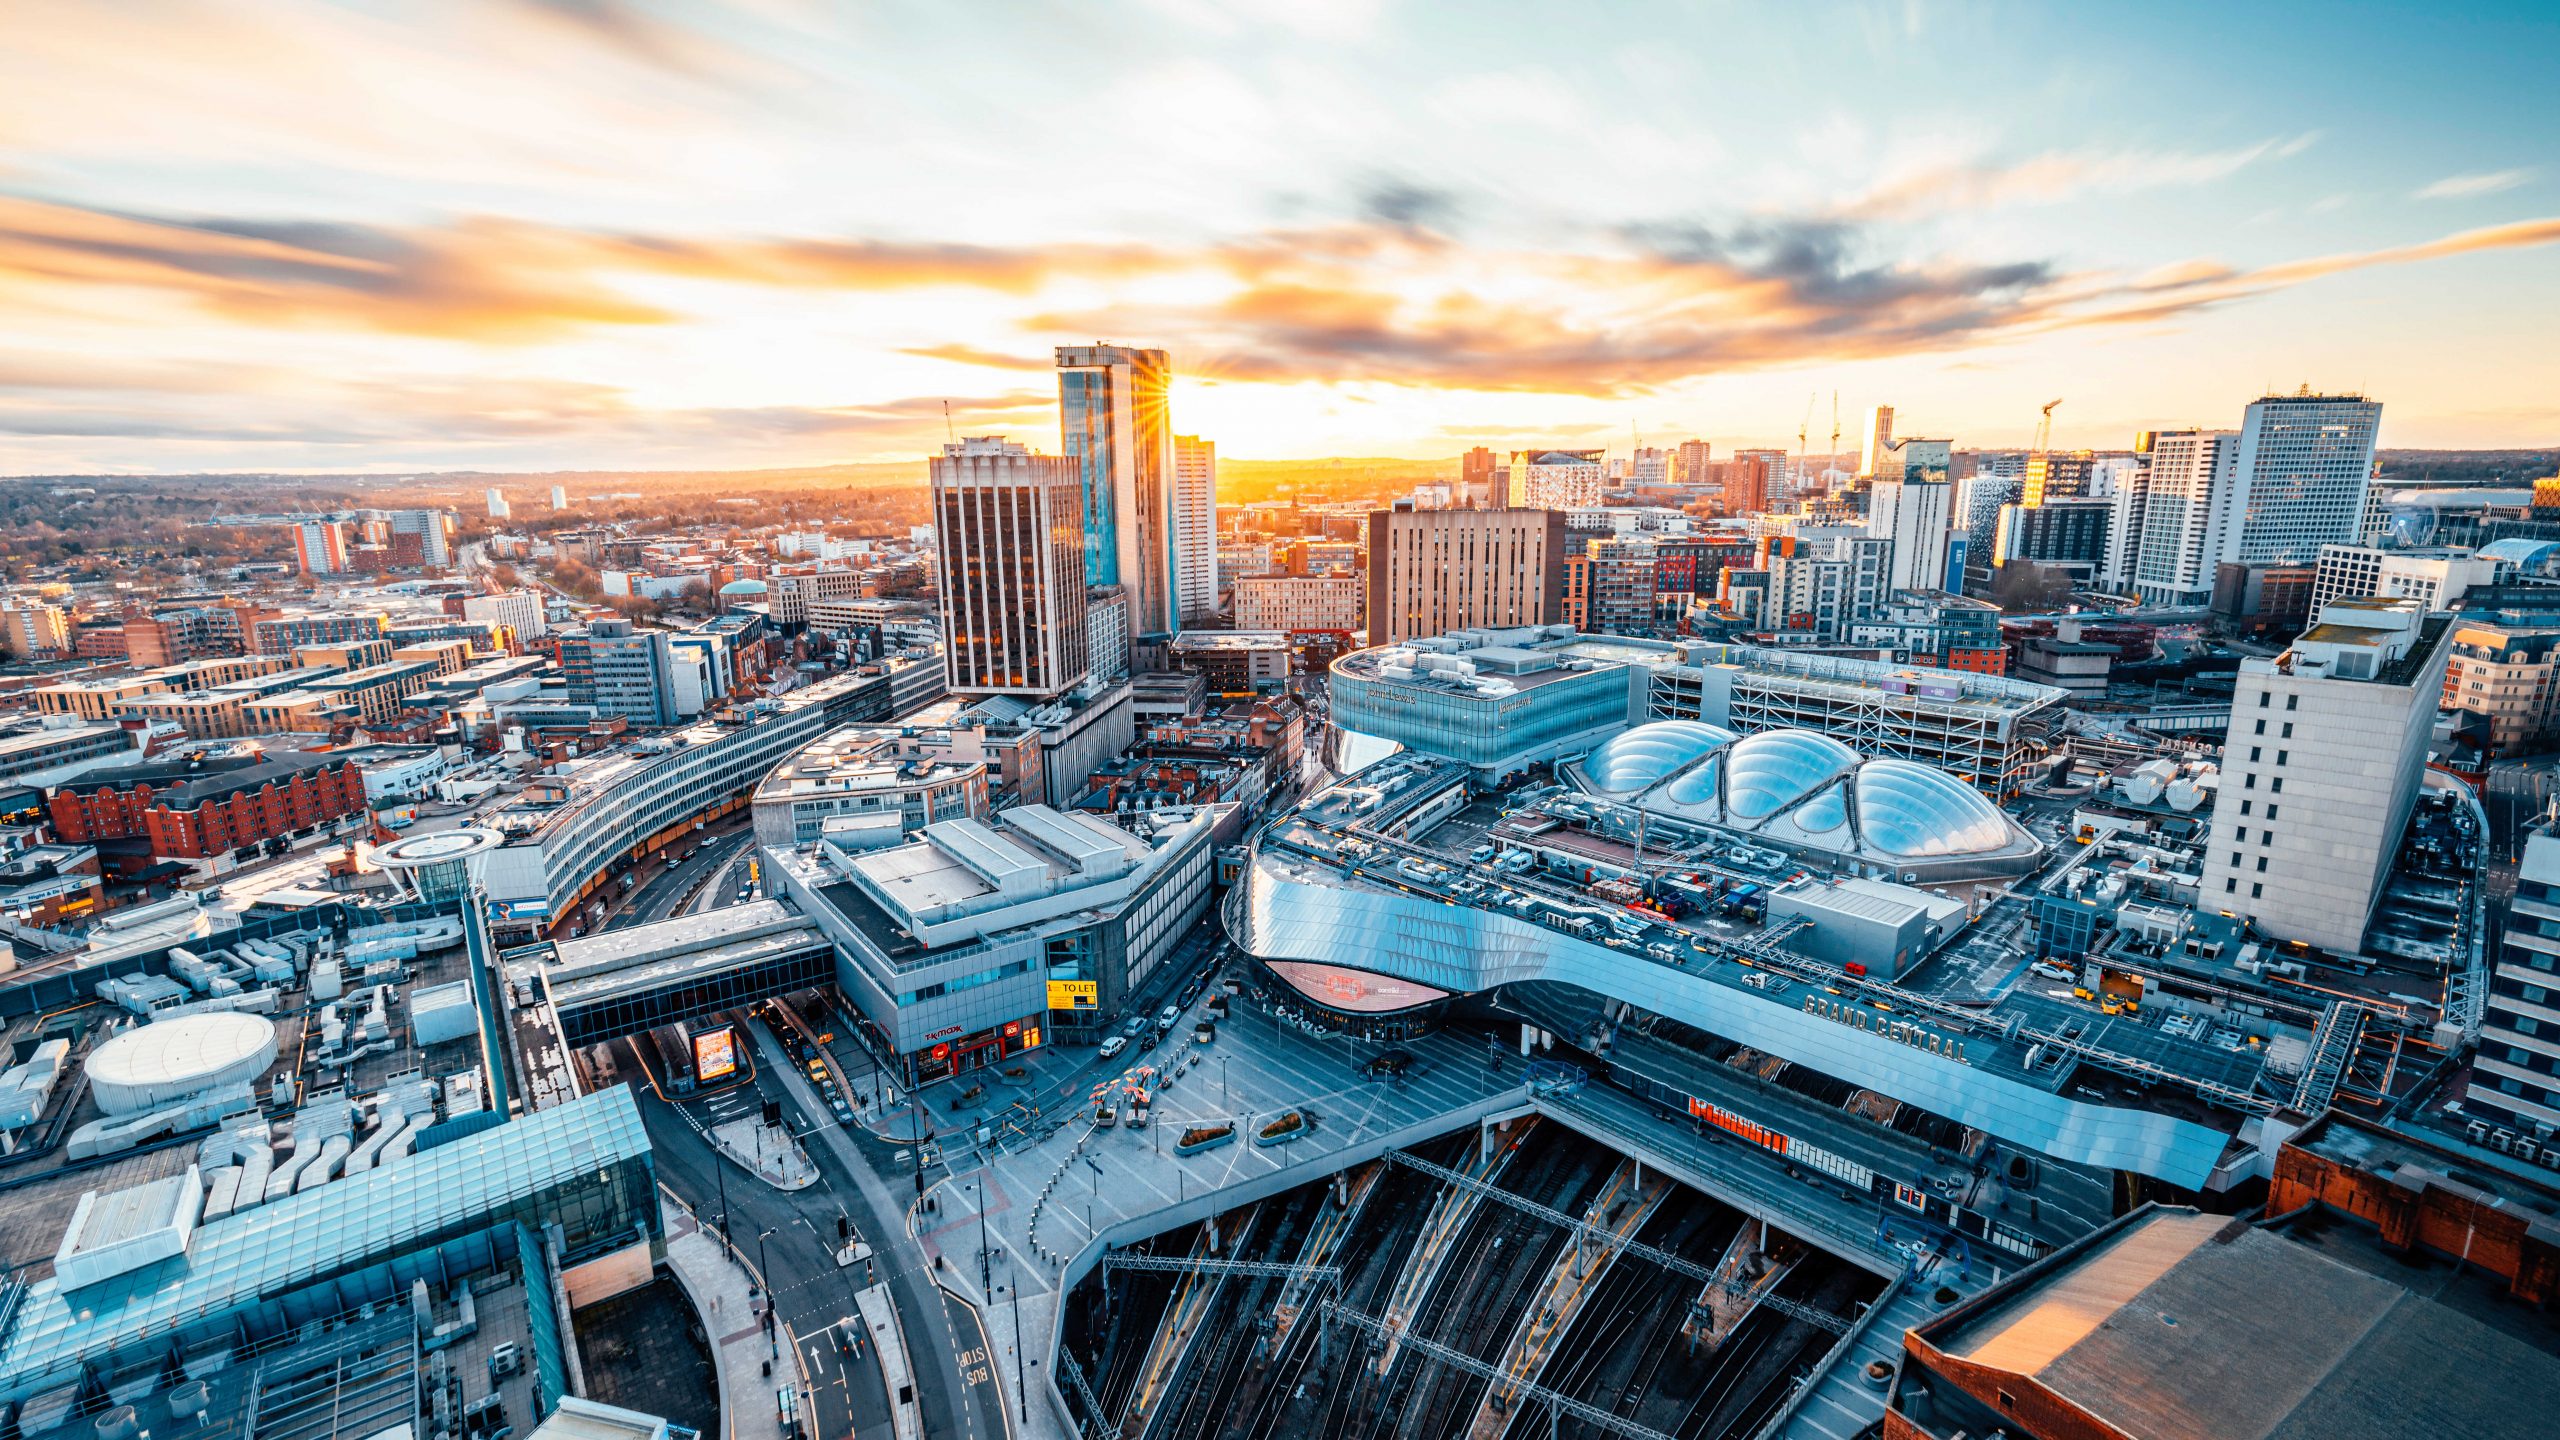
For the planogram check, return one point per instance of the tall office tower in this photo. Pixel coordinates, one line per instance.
(498, 509)
(1106, 633)
(1877, 457)
(1748, 477)
(1013, 545)
(1433, 571)
(1557, 480)
(433, 530)
(1689, 463)
(1475, 472)
(1912, 505)
(2321, 766)
(559, 497)
(1649, 465)
(320, 547)
(2181, 514)
(2058, 476)
(1195, 528)
(1116, 426)
(2515, 1077)
(2305, 465)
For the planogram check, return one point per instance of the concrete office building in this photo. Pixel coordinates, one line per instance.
(979, 939)
(521, 611)
(1116, 430)
(620, 670)
(1298, 602)
(1433, 571)
(2321, 766)
(2435, 578)
(872, 785)
(1012, 554)
(2304, 469)
(1195, 527)
(2515, 1077)
(2508, 675)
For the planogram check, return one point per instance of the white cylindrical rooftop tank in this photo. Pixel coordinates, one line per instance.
(153, 1065)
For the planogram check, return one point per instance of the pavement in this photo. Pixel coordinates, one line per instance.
(1078, 1187)
(725, 1291)
(768, 1152)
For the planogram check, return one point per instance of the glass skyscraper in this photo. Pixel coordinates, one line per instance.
(1115, 424)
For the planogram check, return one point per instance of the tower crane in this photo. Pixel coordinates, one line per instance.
(2044, 429)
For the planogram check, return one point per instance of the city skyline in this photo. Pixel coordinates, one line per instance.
(602, 235)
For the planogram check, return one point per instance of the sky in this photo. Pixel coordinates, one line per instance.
(621, 234)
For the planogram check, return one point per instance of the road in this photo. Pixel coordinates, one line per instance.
(788, 1236)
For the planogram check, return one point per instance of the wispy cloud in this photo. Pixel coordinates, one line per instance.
(2059, 175)
(2466, 187)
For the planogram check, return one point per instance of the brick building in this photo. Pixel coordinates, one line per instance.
(200, 809)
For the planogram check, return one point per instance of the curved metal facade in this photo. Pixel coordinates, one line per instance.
(1462, 949)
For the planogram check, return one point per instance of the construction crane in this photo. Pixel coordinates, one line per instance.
(1834, 457)
(2044, 429)
(1802, 428)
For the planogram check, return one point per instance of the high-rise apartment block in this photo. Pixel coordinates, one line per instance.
(2178, 514)
(1433, 571)
(320, 547)
(1195, 527)
(498, 508)
(1749, 477)
(1875, 455)
(1912, 505)
(1014, 547)
(421, 537)
(1556, 480)
(2320, 770)
(1476, 474)
(559, 497)
(1690, 463)
(1116, 427)
(2057, 476)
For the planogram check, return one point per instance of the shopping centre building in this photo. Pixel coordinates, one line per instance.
(1502, 701)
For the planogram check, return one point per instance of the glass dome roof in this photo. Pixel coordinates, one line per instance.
(1775, 768)
(1905, 808)
(1633, 759)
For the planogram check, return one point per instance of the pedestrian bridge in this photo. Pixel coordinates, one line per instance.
(637, 978)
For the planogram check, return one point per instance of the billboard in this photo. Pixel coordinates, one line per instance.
(715, 1055)
(1074, 994)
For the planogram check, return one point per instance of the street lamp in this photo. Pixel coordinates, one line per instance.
(978, 1186)
(764, 1270)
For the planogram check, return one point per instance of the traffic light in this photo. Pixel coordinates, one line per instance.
(773, 1112)
(844, 1228)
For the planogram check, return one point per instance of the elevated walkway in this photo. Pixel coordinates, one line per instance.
(644, 976)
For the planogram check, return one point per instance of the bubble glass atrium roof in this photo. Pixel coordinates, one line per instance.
(1803, 789)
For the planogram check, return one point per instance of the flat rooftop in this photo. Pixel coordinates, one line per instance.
(2174, 1325)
